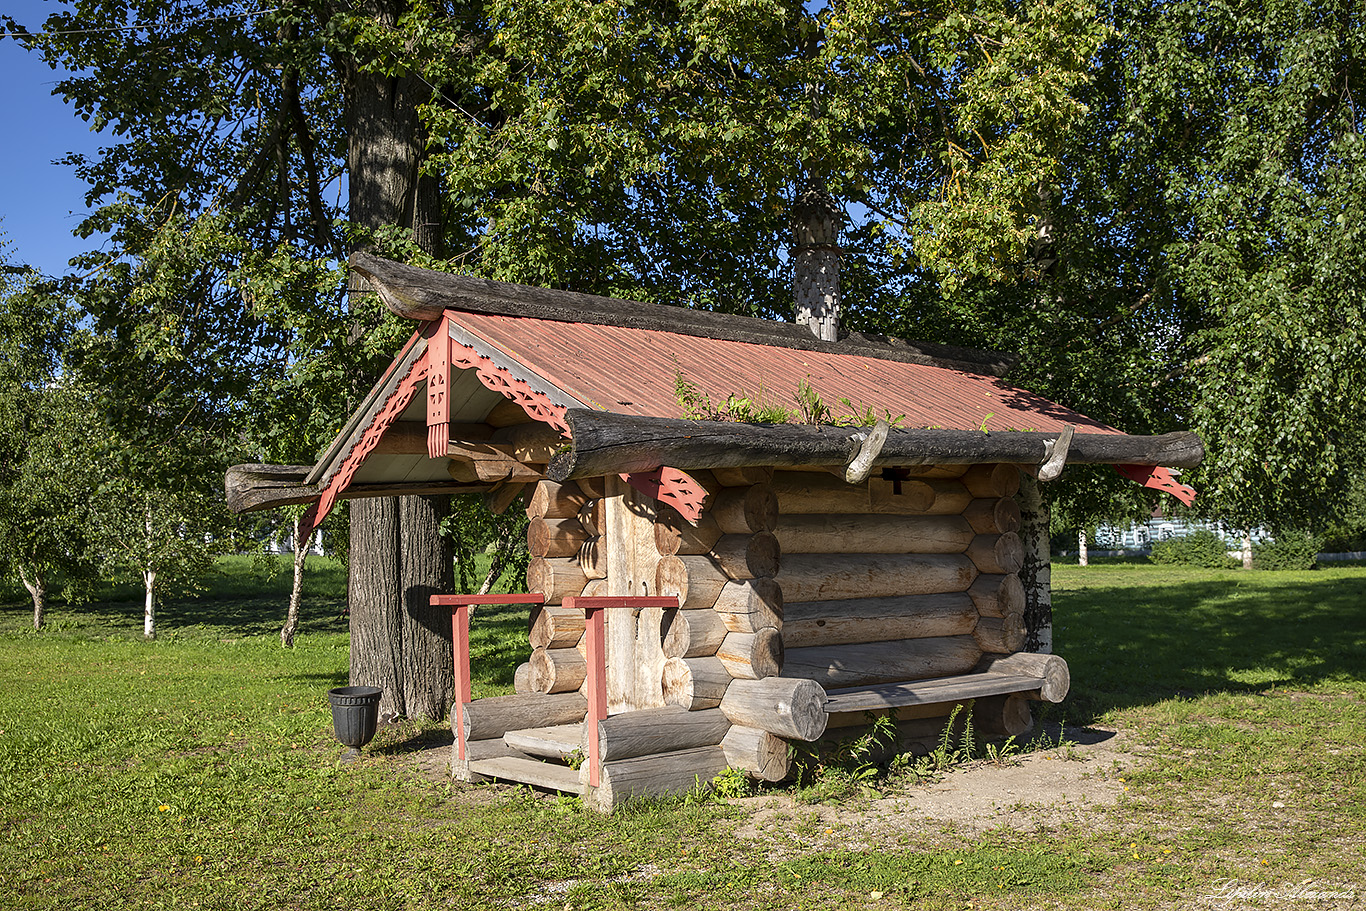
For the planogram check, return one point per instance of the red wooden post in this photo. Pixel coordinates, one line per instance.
(595, 648)
(460, 639)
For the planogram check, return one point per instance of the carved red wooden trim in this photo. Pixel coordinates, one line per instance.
(438, 389)
(677, 488)
(398, 401)
(1158, 479)
(500, 380)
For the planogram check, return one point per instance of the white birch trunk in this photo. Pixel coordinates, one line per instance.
(1082, 557)
(149, 615)
(1247, 550)
(816, 222)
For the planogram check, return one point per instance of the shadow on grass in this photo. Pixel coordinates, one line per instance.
(1130, 645)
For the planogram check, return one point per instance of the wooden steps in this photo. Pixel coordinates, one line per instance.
(958, 688)
(555, 742)
(529, 771)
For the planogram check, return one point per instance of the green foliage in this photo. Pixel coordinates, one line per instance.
(732, 784)
(741, 408)
(1289, 550)
(1199, 548)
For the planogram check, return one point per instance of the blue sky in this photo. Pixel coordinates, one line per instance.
(40, 202)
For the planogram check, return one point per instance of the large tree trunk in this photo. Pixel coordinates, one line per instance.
(816, 222)
(1036, 573)
(427, 567)
(398, 559)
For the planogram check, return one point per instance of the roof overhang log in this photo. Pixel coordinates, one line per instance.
(422, 294)
(258, 487)
(605, 443)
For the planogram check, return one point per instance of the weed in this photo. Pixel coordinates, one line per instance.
(732, 784)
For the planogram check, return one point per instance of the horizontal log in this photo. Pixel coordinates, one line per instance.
(485, 719)
(997, 553)
(676, 535)
(1001, 635)
(521, 678)
(761, 754)
(808, 493)
(744, 510)
(557, 670)
(553, 626)
(742, 477)
(785, 706)
(831, 577)
(1002, 716)
(816, 623)
(695, 683)
(993, 480)
(470, 462)
(554, 537)
(256, 487)
(835, 666)
(410, 437)
(873, 534)
(555, 577)
(900, 713)
(752, 656)
(692, 633)
(1054, 677)
(697, 581)
(893, 497)
(659, 730)
(533, 442)
(743, 557)
(993, 515)
(604, 443)
(745, 607)
(997, 596)
(593, 488)
(551, 500)
(657, 775)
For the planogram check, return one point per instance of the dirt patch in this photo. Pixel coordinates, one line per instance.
(1039, 790)
(1044, 789)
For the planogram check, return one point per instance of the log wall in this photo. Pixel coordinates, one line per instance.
(791, 583)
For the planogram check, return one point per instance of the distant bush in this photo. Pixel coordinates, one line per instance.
(1200, 548)
(1290, 550)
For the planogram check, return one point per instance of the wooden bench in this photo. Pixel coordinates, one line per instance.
(1017, 678)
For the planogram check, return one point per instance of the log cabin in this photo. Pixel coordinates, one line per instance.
(709, 593)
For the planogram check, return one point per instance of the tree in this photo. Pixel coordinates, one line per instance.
(47, 434)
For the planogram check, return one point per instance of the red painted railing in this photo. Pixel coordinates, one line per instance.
(595, 642)
(460, 637)
(595, 635)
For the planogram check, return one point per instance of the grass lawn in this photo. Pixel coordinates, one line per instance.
(199, 770)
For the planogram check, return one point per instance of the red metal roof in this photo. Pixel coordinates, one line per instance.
(633, 371)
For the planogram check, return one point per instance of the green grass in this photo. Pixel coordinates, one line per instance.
(199, 770)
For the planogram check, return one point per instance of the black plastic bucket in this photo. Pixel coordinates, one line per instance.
(355, 714)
